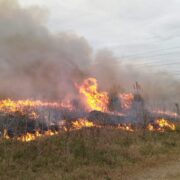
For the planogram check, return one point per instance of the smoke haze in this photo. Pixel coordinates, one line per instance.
(34, 63)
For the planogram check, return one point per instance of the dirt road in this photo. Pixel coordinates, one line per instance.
(166, 171)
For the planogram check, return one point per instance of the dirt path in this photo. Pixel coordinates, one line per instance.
(166, 171)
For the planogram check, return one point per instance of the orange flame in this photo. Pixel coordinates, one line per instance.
(82, 123)
(95, 100)
(126, 100)
(30, 136)
(10, 106)
(161, 125)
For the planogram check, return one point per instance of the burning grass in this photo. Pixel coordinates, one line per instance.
(96, 100)
(160, 125)
(96, 142)
(88, 153)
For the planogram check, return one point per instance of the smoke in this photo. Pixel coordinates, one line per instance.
(34, 63)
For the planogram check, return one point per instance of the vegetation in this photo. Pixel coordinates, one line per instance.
(90, 153)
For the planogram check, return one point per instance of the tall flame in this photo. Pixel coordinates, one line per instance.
(159, 125)
(95, 100)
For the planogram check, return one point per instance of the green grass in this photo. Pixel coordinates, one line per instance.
(87, 154)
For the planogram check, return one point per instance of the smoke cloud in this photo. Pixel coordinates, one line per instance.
(34, 63)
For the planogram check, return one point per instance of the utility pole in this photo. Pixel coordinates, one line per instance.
(177, 109)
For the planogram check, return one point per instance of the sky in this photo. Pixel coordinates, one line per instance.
(143, 32)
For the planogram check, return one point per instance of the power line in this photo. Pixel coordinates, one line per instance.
(153, 63)
(151, 56)
(151, 52)
(158, 65)
(156, 50)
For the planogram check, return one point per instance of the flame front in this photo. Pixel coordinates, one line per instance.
(79, 124)
(30, 136)
(82, 123)
(161, 125)
(95, 100)
(11, 106)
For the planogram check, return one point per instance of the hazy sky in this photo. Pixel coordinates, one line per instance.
(146, 32)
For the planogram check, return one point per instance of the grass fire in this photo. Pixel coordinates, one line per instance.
(38, 119)
(74, 110)
(97, 125)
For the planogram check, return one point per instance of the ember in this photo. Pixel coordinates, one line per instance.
(125, 127)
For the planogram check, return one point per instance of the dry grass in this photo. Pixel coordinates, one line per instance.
(87, 154)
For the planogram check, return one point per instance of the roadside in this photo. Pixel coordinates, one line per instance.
(166, 171)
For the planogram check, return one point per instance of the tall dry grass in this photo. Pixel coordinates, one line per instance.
(87, 154)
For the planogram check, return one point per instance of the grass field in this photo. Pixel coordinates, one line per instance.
(92, 153)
